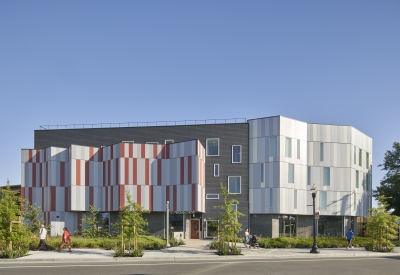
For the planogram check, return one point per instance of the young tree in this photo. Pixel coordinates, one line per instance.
(381, 226)
(32, 217)
(13, 234)
(228, 224)
(388, 193)
(90, 222)
(132, 225)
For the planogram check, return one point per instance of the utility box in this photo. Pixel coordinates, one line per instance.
(56, 228)
(178, 235)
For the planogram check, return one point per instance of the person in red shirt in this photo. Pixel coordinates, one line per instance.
(65, 240)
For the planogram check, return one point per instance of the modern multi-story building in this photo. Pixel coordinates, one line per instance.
(267, 164)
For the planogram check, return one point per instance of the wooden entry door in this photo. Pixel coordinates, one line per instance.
(195, 229)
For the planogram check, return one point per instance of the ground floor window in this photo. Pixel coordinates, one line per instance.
(330, 226)
(104, 225)
(287, 226)
(211, 228)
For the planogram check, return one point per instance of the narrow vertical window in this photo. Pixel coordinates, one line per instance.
(295, 198)
(327, 176)
(357, 179)
(321, 151)
(288, 148)
(309, 175)
(367, 160)
(262, 172)
(212, 145)
(322, 200)
(236, 153)
(298, 149)
(291, 173)
(360, 157)
(273, 146)
(270, 197)
(216, 170)
(355, 155)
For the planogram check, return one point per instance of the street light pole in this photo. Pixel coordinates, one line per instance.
(314, 248)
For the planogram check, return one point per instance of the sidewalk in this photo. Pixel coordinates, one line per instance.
(196, 249)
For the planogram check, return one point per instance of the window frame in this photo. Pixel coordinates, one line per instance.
(289, 174)
(308, 175)
(321, 151)
(240, 184)
(357, 179)
(240, 153)
(262, 172)
(207, 198)
(360, 157)
(288, 147)
(216, 165)
(298, 149)
(328, 183)
(209, 139)
(273, 143)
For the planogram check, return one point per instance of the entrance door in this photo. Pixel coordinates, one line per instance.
(195, 229)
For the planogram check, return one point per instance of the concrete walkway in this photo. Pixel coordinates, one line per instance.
(195, 249)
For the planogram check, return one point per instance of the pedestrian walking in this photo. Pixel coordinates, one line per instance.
(42, 238)
(349, 237)
(246, 237)
(66, 240)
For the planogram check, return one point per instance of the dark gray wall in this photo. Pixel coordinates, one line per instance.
(229, 134)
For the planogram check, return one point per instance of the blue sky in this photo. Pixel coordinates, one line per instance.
(66, 62)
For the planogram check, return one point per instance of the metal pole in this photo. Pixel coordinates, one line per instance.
(314, 248)
(167, 225)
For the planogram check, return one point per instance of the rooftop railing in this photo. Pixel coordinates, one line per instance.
(143, 124)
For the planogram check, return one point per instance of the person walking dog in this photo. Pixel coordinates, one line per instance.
(42, 237)
(349, 237)
(65, 240)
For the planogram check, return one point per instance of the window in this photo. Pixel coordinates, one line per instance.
(234, 208)
(168, 141)
(216, 170)
(212, 196)
(288, 148)
(271, 196)
(234, 185)
(273, 147)
(262, 172)
(298, 149)
(212, 145)
(322, 200)
(327, 176)
(309, 175)
(291, 173)
(367, 160)
(236, 152)
(355, 155)
(357, 179)
(295, 199)
(360, 157)
(321, 151)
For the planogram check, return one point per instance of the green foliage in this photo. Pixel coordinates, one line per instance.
(176, 242)
(388, 193)
(381, 226)
(12, 232)
(90, 222)
(228, 225)
(131, 224)
(32, 217)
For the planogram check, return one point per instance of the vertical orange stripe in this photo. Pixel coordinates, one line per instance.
(189, 169)
(91, 153)
(134, 171)
(62, 173)
(37, 155)
(126, 168)
(121, 196)
(146, 171)
(159, 171)
(78, 172)
(30, 156)
(139, 194)
(33, 174)
(155, 151)
(122, 150)
(143, 151)
(87, 173)
(182, 167)
(131, 150)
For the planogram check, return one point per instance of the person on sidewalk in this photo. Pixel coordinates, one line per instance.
(246, 237)
(43, 238)
(65, 240)
(349, 237)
